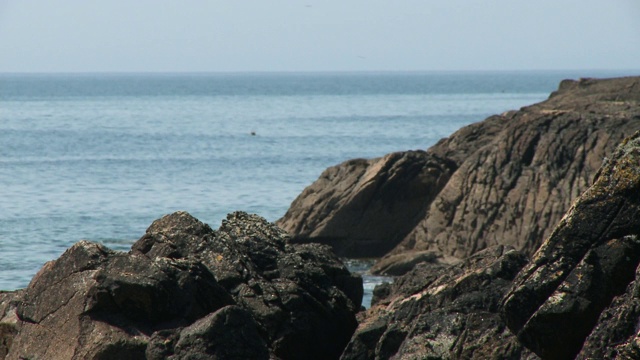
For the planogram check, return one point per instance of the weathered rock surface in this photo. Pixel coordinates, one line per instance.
(363, 208)
(186, 291)
(443, 312)
(229, 333)
(581, 283)
(301, 296)
(504, 181)
(514, 189)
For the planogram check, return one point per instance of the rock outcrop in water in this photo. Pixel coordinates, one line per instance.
(503, 181)
(186, 291)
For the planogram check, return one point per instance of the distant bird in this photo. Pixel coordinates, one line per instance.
(253, 133)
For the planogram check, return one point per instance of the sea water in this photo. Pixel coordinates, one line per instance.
(100, 156)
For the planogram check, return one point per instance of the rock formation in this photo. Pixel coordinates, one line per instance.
(581, 283)
(186, 291)
(363, 208)
(443, 312)
(504, 181)
(579, 296)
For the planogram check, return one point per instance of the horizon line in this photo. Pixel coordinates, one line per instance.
(231, 72)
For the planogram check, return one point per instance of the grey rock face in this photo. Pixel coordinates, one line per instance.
(93, 302)
(302, 297)
(229, 333)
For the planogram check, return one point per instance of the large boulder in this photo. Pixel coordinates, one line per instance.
(504, 181)
(94, 303)
(581, 283)
(363, 208)
(301, 296)
(443, 312)
(186, 291)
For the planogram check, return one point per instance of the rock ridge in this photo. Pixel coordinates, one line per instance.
(506, 180)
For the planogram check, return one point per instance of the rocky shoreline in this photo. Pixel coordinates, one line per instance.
(187, 291)
(514, 238)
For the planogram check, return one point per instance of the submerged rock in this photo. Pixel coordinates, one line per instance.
(186, 291)
(581, 284)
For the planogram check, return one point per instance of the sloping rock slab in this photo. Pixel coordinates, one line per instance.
(506, 180)
(444, 312)
(590, 258)
(515, 188)
(94, 303)
(363, 208)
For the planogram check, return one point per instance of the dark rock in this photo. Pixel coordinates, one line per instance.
(615, 335)
(186, 291)
(301, 296)
(96, 303)
(8, 319)
(444, 312)
(229, 333)
(363, 208)
(590, 258)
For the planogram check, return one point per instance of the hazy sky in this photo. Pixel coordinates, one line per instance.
(308, 35)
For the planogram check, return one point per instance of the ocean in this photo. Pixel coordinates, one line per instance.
(100, 156)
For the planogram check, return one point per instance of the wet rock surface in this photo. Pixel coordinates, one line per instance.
(186, 291)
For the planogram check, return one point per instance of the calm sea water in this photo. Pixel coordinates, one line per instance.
(100, 156)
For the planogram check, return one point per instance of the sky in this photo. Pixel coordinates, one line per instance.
(327, 35)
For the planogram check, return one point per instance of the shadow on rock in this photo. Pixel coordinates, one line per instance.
(186, 291)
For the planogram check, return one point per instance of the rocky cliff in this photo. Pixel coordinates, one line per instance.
(504, 181)
(186, 291)
(577, 298)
